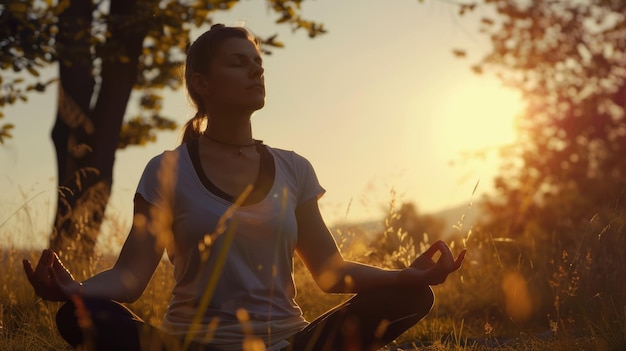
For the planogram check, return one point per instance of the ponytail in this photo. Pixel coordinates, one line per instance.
(193, 129)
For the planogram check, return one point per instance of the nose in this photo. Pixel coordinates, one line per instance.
(257, 70)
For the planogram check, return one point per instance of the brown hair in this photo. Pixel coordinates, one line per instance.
(199, 57)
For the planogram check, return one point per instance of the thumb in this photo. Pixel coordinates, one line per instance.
(28, 269)
(30, 273)
(459, 260)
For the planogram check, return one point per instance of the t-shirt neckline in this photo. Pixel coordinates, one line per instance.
(262, 185)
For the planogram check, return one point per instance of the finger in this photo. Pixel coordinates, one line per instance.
(56, 261)
(459, 260)
(28, 269)
(57, 268)
(45, 261)
(430, 252)
(61, 271)
(446, 257)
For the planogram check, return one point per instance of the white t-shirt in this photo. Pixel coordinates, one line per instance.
(236, 281)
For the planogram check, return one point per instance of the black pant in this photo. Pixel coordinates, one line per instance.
(366, 322)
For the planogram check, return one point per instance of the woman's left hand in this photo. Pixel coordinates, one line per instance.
(425, 269)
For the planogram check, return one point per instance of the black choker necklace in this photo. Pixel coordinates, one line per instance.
(240, 146)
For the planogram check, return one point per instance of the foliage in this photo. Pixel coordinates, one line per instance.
(105, 51)
(561, 192)
(29, 45)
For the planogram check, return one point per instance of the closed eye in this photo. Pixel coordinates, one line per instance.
(242, 59)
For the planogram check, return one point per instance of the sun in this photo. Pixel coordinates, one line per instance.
(475, 117)
(446, 130)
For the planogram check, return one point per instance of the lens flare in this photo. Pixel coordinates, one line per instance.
(517, 296)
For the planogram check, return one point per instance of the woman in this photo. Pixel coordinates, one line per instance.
(231, 212)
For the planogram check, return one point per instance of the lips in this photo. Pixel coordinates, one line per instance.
(257, 86)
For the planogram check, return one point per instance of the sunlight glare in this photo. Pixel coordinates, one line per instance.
(472, 118)
(478, 118)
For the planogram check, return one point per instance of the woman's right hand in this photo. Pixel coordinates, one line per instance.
(50, 279)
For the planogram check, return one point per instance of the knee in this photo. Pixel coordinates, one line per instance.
(67, 324)
(429, 298)
(74, 316)
(424, 299)
(65, 312)
(106, 324)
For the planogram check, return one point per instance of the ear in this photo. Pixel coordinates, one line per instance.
(200, 84)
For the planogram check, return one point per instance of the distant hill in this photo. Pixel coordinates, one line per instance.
(463, 216)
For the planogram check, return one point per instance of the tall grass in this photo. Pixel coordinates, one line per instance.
(474, 310)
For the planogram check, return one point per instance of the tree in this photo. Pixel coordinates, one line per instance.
(104, 50)
(562, 189)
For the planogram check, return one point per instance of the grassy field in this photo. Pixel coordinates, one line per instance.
(28, 323)
(473, 309)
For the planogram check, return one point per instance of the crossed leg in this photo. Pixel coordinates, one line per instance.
(365, 322)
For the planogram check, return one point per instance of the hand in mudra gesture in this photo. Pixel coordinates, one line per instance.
(435, 272)
(50, 279)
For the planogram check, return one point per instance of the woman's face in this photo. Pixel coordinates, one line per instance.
(235, 79)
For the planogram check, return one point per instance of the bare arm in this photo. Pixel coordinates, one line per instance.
(332, 273)
(124, 282)
(136, 263)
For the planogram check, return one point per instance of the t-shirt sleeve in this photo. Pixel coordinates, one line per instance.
(157, 180)
(308, 184)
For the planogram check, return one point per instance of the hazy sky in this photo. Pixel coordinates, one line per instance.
(378, 103)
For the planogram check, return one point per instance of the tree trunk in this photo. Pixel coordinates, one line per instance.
(72, 125)
(86, 134)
